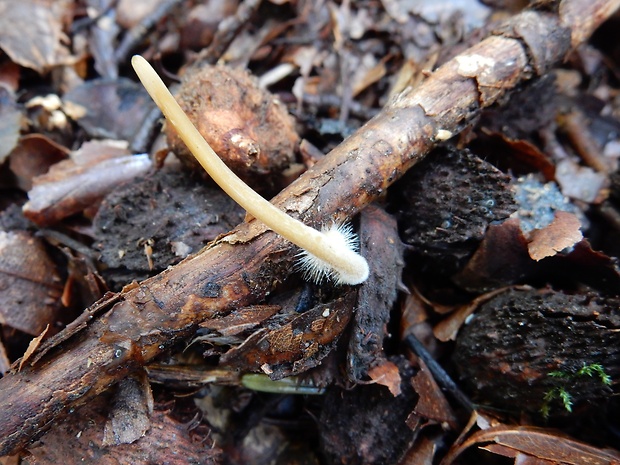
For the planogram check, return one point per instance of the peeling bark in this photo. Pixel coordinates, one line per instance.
(244, 266)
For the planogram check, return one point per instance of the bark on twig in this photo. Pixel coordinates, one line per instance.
(130, 329)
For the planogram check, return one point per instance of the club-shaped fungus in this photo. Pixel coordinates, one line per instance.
(330, 253)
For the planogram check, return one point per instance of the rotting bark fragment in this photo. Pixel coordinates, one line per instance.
(509, 351)
(367, 425)
(448, 202)
(382, 247)
(167, 441)
(248, 263)
(296, 346)
(167, 212)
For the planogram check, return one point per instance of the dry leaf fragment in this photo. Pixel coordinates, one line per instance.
(130, 13)
(31, 33)
(548, 445)
(32, 347)
(129, 417)
(562, 233)
(10, 122)
(82, 181)
(108, 108)
(30, 287)
(519, 457)
(368, 71)
(537, 442)
(33, 156)
(432, 403)
(520, 149)
(422, 452)
(387, 375)
(487, 269)
(579, 182)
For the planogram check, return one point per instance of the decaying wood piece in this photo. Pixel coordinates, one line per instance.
(381, 246)
(244, 266)
(559, 335)
(370, 425)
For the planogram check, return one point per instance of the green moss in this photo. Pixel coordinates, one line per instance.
(561, 394)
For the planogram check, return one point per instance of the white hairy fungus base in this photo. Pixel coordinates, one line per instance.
(342, 238)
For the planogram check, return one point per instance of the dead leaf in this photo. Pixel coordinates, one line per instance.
(129, 13)
(520, 150)
(82, 181)
(562, 233)
(108, 108)
(500, 260)
(32, 347)
(579, 182)
(5, 363)
(520, 458)
(547, 445)
(131, 409)
(591, 266)
(368, 71)
(11, 459)
(415, 309)
(422, 452)
(33, 156)
(10, 122)
(387, 375)
(102, 38)
(31, 33)
(10, 74)
(202, 21)
(540, 443)
(432, 403)
(30, 287)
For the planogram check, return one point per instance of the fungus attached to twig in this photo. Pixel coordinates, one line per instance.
(329, 253)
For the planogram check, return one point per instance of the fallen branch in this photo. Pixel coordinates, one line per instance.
(123, 332)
